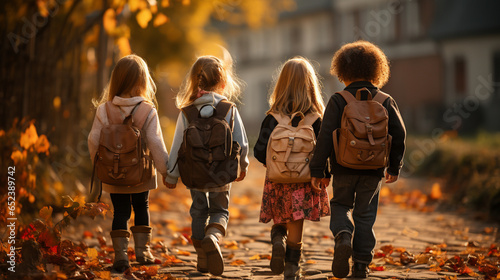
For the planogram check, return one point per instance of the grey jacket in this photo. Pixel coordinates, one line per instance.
(239, 135)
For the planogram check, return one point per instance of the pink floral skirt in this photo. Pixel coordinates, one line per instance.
(285, 203)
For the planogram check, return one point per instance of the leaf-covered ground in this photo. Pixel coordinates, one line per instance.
(414, 240)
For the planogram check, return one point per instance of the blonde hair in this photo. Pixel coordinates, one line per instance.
(209, 73)
(130, 76)
(297, 89)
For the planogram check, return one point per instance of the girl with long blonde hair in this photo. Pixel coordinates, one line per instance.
(297, 93)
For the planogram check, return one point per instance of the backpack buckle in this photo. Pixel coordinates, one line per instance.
(290, 141)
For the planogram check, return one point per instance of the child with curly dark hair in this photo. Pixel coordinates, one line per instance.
(363, 68)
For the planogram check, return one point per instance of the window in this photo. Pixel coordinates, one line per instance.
(459, 72)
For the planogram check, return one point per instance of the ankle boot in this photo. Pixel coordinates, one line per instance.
(142, 241)
(292, 259)
(210, 244)
(120, 240)
(201, 265)
(360, 270)
(341, 255)
(278, 241)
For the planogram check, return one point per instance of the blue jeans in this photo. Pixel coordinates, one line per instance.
(122, 209)
(208, 208)
(359, 194)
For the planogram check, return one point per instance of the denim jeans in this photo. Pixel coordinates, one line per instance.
(208, 208)
(122, 209)
(359, 194)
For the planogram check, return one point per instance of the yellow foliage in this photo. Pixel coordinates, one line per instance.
(18, 156)
(109, 20)
(42, 145)
(124, 46)
(143, 17)
(165, 3)
(29, 137)
(133, 5)
(92, 253)
(160, 19)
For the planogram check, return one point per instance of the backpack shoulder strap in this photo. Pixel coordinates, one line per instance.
(222, 109)
(113, 112)
(141, 114)
(310, 118)
(348, 97)
(190, 112)
(381, 96)
(280, 118)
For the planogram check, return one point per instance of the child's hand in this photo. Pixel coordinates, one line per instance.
(241, 177)
(316, 183)
(390, 178)
(170, 186)
(325, 182)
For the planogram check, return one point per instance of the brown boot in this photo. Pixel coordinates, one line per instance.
(201, 265)
(278, 241)
(120, 240)
(142, 241)
(292, 259)
(210, 244)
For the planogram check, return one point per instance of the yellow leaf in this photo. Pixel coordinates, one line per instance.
(56, 102)
(46, 214)
(92, 253)
(133, 5)
(143, 18)
(237, 262)
(42, 145)
(109, 20)
(160, 19)
(18, 156)
(183, 253)
(67, 201)
(154, 8)
(106, 275)
(80, 200)
(124, 46)
(29, 137)
(165, 3)
(436, 192)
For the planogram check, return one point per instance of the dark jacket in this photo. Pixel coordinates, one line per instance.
(267, 127)
(331, 121)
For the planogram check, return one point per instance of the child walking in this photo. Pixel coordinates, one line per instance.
(201, 128)
(363, 68)
(296, 100)
(130, 93)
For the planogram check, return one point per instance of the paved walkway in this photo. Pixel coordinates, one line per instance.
(247, 246)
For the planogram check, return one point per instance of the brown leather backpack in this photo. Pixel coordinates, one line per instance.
(123, 158)
(208, 156)
(290, 149)
(363, 140)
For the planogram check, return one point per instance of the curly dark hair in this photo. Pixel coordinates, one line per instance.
(361, 60)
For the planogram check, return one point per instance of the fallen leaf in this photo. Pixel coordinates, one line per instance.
(237, 262)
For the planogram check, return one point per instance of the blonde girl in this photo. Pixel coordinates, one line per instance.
(130, 85)
(296, 89)
(209, 81)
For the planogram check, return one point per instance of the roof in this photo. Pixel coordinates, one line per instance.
(458, 18)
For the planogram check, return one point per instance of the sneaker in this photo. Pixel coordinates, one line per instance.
(360, 270)
(341, 255)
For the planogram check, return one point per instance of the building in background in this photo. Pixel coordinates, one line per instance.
(439, 54)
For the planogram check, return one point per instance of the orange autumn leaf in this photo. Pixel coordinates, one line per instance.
(133, 5)
(124, 46)
(143, 17)
(46, 214)
(436, 192)
(109, 20)
(165, 3)
(42, 145)
(18, 156)
(29, 137)
(183, 253)
(237, 262)
(233, 245)
(311, 262)
(260, 257)
(160, 19)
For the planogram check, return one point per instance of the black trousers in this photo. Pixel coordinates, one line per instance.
(122, 205)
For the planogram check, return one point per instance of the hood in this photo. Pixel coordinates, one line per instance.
(211, 98)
